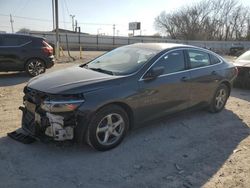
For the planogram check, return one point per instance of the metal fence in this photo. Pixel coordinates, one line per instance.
(101, 42)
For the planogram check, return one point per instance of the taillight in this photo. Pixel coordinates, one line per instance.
(47, 49)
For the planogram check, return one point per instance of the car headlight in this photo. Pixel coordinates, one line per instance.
(63, 105)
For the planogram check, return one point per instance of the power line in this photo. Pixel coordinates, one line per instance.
(66, 5)
(46, 20)
(23, 5)
(7, 26)
(22, 17)
(63, 15)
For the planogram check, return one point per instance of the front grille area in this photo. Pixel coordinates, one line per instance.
(31, 125)
(28, 120)
(35, 120)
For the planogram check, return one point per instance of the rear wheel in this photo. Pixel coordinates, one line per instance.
(108, 128)
(35, 67)
(219, 99)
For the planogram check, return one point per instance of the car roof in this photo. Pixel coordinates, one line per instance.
(160, 46)
(21, 35)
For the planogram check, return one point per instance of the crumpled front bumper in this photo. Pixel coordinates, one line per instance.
(29, 123)
(44, 124)
(28, 133)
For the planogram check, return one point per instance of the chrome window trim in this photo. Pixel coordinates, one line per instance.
(187, 70)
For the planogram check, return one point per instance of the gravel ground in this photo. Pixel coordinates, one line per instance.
(192, 149)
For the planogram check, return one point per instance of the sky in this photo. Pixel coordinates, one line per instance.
(93, 16)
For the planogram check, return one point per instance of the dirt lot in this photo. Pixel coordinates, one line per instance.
(194, 149)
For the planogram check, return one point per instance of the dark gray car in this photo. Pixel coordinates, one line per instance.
(100, 101)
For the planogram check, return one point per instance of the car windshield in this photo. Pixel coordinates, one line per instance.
(122, 61)
(245, 56)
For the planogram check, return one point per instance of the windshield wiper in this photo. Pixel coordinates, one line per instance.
(102, 71)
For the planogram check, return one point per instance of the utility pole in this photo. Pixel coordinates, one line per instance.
(113, 34)
(98, 31)
(57, 27)
(11, 23)
(72, 19)
(248, 27)
(76, 26)
(53, 13)
(113, 30)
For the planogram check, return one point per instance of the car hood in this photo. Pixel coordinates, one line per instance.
(70, 81)
(242, 63)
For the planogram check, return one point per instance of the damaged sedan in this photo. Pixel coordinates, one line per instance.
(99, 102)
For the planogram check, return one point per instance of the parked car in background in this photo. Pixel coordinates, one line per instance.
(236, 49)
(243, 65)
(25, 53)
(100, 101)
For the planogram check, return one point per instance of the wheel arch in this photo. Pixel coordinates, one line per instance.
(30, 58)
(228, 84)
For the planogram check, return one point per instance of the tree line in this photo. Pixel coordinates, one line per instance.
(206, 20)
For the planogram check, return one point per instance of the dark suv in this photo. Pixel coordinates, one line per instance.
(25, 53)
(236, 49)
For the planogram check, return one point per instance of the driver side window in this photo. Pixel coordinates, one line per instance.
(172, 62)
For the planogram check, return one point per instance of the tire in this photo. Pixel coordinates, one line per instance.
(220, 99)
(107, 128)
(35, 67)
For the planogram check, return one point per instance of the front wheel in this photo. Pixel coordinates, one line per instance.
(35, 67)
(219, 99)
(108, 128)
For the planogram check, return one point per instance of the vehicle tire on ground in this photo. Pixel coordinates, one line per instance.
(35, 67)
(107, 128)
(220, 99)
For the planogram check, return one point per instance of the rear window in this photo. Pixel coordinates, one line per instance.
(198, 58)
(13, 41)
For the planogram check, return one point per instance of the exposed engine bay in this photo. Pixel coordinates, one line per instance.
(57, 130)
(41, 119)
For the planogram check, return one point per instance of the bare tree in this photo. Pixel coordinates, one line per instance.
(206, 20)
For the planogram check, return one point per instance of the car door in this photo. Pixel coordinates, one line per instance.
(10, 53)
(167, 93)
(204, 76)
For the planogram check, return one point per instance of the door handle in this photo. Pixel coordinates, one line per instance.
(214, 73)
(184, 79)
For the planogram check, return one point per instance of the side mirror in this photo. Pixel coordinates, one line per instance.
(154, 73)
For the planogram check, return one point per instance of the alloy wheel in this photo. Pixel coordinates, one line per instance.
(110, 129)
(36, 67)
(221, 98)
